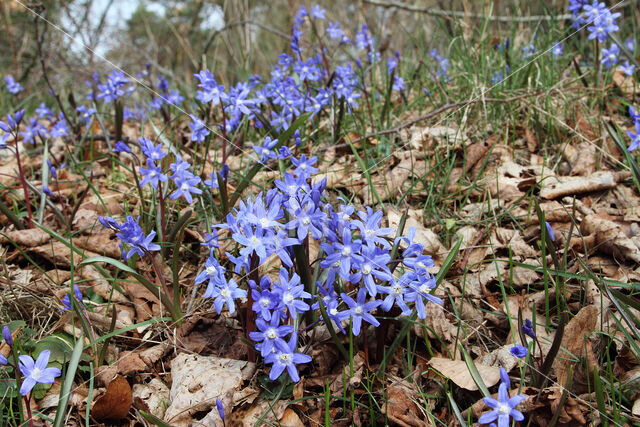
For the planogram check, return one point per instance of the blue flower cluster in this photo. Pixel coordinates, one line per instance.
(13, 87)
(600, 20)
(356, 275)
(131, 235)
(635, 137)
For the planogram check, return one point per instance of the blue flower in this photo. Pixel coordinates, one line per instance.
(212, 271)
(152, 174)
(503, 407)
(519, 351)
(635, 138)
(317, 12)
(552, 236)
(334, 31)
(153, 152)
(121, 147)
(220, 408)
(627, 68)
(130, 233)
(226, 293)
(199, 130)
(396, 292)
(66, 301)
(304, 167)
(43, 112)
(12, 86)
(86, 114)
(291, 293)
(6, 334)
(420, 290)
(527, 329)
(370, 266)
(398, 83)
(186, 184)
(270, 334)
(610, 56)
(557, 49)
(36, 372)
(285, 357)
(359, 310)
(266, 151)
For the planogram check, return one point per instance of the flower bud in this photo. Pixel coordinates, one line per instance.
(6, 333)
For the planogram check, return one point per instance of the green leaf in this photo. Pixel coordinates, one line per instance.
(65, 391)
(477, 378)
(153, 419)
(59, 344)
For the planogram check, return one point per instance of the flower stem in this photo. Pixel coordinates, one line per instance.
(24, 185)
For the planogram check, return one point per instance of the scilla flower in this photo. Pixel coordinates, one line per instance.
(36, 372)
(504, 407)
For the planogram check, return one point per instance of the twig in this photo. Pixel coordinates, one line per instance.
(39, 41)
(238, 23)
(457, 14)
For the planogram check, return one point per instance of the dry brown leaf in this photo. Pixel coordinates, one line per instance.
(115, 403)
(625, 83)
(508, 238)
(208, 336)
(458, 372)
(573, 340)
(532, 140)
(400, 406)
(290, 419)
(581, 158)
(28, 238)
(154, 394)
(610, 237)
(475, 153)
(552, 188)
(199, 380)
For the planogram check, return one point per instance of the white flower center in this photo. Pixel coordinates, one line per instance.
(504, 409)
(346, 251)
(211, 271)
(366, 269)
(306, 221)
(36, 373)
(264, 222)
(284, 358)
(225, 293)
(184, 187)
(271, 333)
(264, 302)
(397, 289)
(255, 240)
(287, 298)
(358, 309)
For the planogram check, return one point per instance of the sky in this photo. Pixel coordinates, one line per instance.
(121, 11)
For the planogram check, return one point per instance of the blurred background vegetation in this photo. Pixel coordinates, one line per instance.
(233, 38)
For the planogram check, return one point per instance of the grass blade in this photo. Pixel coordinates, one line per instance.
(68, 381)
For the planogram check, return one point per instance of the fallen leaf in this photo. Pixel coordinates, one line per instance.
(115, 403)
(198, 380)
(399, 405)
(559, 186)
(290, 419)
(573, 340)
(458, 372)
(154, 394)
(26, 238)
(610, 237)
